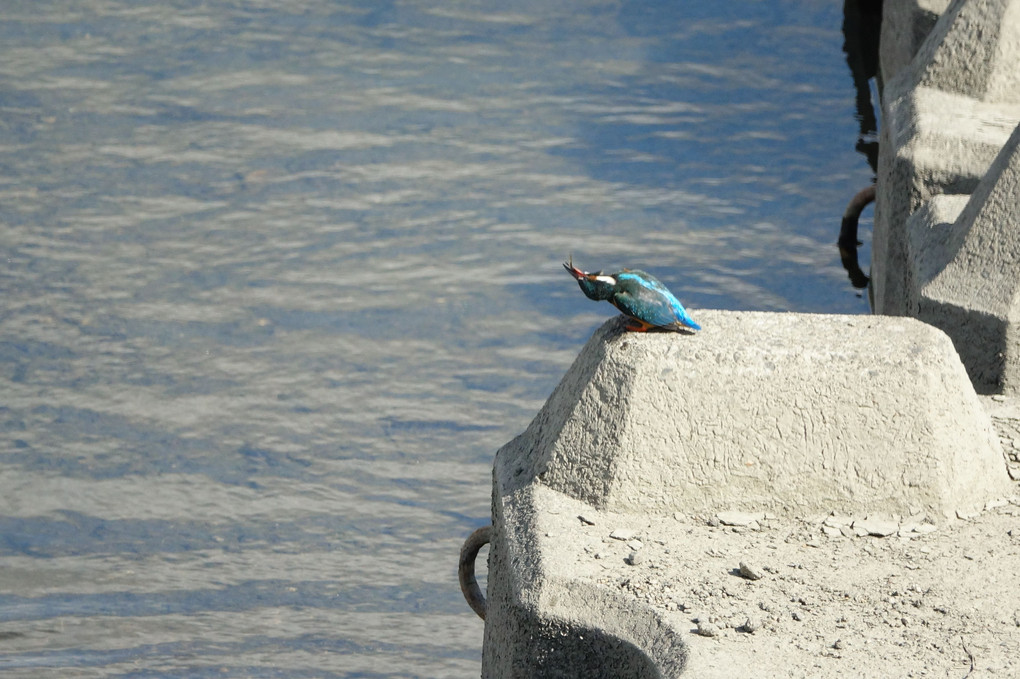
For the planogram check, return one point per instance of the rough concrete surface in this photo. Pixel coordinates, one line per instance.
(543, 622)
(965, 272)
(1005, 414)
(945, 117)
(971, 50)
(905, 25)
(788, 413)
(619, 578)
(828, 603)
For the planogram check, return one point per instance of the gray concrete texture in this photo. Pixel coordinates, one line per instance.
(544, 622)
(786, 413)
(946, 115)
(905, 25)
(789, 414)
(964, 271)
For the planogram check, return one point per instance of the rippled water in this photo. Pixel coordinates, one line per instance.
(278, 279)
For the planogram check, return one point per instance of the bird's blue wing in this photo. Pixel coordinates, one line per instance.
(644, 297)
(684, 318)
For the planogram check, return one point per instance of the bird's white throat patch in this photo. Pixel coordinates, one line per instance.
(606, 279)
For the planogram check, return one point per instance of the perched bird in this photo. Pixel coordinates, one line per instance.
(639, 295)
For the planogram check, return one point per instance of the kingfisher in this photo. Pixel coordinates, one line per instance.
(639, 295)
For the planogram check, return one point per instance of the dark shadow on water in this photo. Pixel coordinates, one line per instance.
(862, 26)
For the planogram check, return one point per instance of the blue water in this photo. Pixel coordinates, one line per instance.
(277, 279)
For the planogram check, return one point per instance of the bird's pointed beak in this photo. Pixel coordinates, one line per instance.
(574, 271)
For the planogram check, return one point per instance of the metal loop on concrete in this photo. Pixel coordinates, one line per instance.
(848, 242)
(466, 570)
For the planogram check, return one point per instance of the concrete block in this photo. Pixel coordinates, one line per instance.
(972, 51)
(784, 415)
(905, 25)
(928, 235)
(787, 413)
(546, 618)
(965, 272)
(945, 117)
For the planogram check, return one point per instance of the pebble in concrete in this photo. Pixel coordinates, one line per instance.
(740, 518)
(634, 558)
(750, 571)
(707, 629)
(877, 527)
(751, 625)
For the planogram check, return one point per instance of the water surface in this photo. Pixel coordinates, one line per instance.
(279, 278)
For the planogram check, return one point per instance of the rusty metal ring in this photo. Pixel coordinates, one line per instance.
(466, 570)
(848, 242)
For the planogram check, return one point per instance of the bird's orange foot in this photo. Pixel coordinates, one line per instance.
(641, 327)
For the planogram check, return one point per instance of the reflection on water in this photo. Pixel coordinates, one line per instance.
(862, 27)
(279, 278)
(847, 241)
